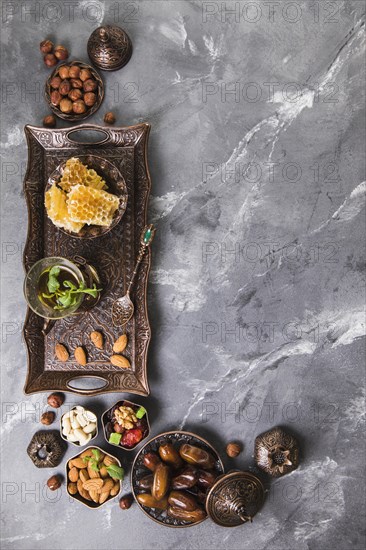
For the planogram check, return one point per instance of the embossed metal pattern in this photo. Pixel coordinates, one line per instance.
(113, 255)
(50, 444)
(109, 48)
(276, 452)
(73, 116)
(233, 494)
(138, 470)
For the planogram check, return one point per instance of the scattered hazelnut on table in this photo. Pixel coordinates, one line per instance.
(46, 46)
(61, 52)
(49, 121)
(47, 418)
(50, 60)
(54, 483)
(109, 118)
(55, 400)
(125, 502)
(66, 105)
(64, 72)
(233, 449)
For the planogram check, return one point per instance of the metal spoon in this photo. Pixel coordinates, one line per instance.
(123, 308)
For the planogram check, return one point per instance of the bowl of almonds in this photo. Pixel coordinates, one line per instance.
(125, 425)
(94, 477)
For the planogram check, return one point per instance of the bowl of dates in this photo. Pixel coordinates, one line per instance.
(171, 476)
(125, 425)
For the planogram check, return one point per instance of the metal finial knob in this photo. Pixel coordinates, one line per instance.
(109, 47)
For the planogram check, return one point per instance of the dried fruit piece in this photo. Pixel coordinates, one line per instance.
(131, 437)
(61, 352)
(120, 344)
(80, 356)
(148, 500)
(97, 339)
(161, 481)
(120, 361)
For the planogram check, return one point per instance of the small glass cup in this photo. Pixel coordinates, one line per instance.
(31, 287)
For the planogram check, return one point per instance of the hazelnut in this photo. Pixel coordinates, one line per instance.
(233, 449)
(65, 87)
(64, 71)
(55, 400)
(74, 71)
(109, 118)
(46, 46)
(90, 85)
(90, 98)
(49, 121)
(47, 418)
(55, 97)
(75, 94)
(125, 502)
(50, 60)
(85, 74)
(54, 483)
(55, 82)
(79, 107)
(76, 83)
(66, 105)
(61, 53)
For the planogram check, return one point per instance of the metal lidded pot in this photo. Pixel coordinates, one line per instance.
(109, 48)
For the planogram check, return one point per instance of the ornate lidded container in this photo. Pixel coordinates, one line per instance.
(235, 498)
(109, 48)
(276, 452)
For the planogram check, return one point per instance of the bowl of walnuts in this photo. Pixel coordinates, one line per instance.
(74, 91)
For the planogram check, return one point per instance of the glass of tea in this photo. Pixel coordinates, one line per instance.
(51, 288)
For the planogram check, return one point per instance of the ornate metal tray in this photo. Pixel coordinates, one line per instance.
(113, 255)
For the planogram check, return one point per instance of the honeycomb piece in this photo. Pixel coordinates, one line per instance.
(74, 173)
(92, 179)
(91, 206)
(56, 206)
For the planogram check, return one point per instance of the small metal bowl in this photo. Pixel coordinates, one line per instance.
(138, 470)
(116, 186)
(106, 418)
(73, 442)
(79, 498)
(74, 116)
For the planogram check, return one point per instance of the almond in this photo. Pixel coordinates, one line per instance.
(120, 361)
(83, 474)
(74, 475)
(82, 492)
(94, 495)
(107, 486)
(92, 473)
(61, 352)
(80, 356)
(97, 339)
(93, 484)
(108, 460)
(79, 463)
(88, 452)
(120, 344)
(103, 472)
(103, 496)
(116, 489)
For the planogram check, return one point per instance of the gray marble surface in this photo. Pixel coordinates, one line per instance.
(256, 290)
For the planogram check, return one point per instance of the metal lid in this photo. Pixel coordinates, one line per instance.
(276, 452)
(235, 498)
(109, 47)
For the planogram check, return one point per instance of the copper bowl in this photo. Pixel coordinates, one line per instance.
(138, 470)
(116, 186)
(89, 503)
(91, 110)
(106, 418)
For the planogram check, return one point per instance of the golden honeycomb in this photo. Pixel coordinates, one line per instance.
(56, 206)
(92, 179)
(74, 173)
(91, 206)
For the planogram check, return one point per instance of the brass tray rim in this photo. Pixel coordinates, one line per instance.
(144, 128)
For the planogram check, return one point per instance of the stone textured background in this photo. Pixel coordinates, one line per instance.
(256, 292)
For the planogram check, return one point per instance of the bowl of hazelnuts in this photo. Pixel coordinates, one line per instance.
(74, 91)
